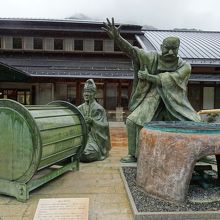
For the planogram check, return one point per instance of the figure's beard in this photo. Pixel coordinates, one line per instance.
(169, 57)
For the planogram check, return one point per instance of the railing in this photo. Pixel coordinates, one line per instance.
(209, 111)
(210, 115)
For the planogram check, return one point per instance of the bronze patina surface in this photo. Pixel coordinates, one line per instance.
(159, 88)
(34, 138)
(98, 144)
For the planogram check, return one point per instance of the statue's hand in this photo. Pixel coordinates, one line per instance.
(143, 74)
(111, 29)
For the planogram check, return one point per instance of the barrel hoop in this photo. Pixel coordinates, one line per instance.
(55, 116)
(61, 140)
(65, 126)
(44, 107)
(60, 152)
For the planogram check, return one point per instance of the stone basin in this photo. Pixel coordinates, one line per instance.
(168, 154)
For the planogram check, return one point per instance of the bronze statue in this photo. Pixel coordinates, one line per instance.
(98, 144)
(159, 90)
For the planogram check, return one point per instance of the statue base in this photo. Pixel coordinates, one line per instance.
(168, 154)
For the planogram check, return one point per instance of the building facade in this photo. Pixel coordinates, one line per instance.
(46, 60)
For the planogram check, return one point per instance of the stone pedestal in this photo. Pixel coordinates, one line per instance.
(168, 153)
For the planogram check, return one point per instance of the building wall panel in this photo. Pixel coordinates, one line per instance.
(88, 45)
(208, 97)
(108, 45)
(7, 42)
(28, 43)
(44, 93)
(68, 44)
(48, 44)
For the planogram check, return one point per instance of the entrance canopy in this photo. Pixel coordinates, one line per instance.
(11, 74)
(69, 66)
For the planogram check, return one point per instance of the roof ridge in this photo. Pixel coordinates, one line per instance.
(180, 31)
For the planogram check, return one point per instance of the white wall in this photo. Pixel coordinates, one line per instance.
(208, 97)
(7, 42)
(68, 44)
(89, 45)
(28, 43)
(108, 45)
(48, 44)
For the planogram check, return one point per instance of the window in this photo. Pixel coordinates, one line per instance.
(195, 94)
(124, 95)
(98, 45)
(71, 93)
(22, 96)
(111, 95)
(100, 93)
(78, 45)
(17, 43)
(38, 43)
(58, 44)
(116, 48)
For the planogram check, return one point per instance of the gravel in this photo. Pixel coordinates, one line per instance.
(198, 198)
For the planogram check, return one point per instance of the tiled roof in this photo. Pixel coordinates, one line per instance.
(198, 47)
(50, 66)
(45, 66)
(67, 25)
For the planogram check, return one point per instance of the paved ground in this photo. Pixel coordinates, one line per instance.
(98, 181)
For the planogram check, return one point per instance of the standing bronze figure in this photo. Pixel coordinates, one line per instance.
(159, 90)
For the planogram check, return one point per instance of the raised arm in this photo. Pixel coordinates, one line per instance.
(113, 33)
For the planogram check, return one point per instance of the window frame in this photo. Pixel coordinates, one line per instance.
(15, 43)
(98, 45)
(81, 45)
(116, 48)
(37, 43)
(58, 44)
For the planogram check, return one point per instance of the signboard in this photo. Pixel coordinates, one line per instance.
(62, 208)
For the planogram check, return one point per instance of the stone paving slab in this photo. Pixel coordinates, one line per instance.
(99, 181)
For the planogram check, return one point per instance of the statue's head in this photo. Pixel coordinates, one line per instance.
(169, 48)
(89, 90)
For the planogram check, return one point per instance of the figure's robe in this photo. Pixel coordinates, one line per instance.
(98, 144)
(171, 96)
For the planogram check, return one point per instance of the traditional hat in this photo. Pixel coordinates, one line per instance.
(90, 85)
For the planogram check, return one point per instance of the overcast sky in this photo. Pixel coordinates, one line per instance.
(162, 14)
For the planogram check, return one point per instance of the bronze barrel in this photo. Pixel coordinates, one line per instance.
(36, 137)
